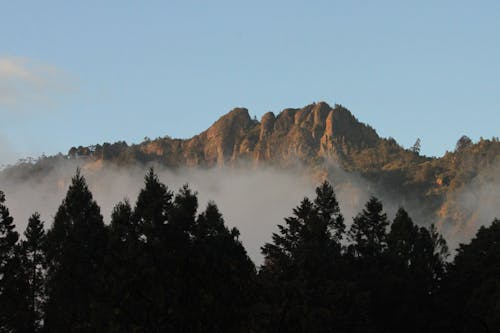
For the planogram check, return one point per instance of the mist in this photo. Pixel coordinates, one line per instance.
(478, 202)
(252, 199)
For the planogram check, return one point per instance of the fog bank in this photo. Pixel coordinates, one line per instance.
(252, 199)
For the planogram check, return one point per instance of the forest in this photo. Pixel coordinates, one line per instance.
(163, 265)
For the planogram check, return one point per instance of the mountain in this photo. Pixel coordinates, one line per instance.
(328, 141)
(294, 135)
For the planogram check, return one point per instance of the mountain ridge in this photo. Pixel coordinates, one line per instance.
(316, 137)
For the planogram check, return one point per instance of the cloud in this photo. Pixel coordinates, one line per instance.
(27, 86)
(252, 199)
(476, 204)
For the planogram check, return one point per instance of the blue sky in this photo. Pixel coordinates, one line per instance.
(80, 73)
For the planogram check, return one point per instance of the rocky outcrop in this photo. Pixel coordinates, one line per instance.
(294, 135)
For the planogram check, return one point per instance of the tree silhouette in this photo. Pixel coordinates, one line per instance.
(221, 277)
(368, 232)
(416, 147)
(13, 304)
(304, 288)
(76, 244)
(416, 268)
(122, 280)
(164, 267)
(34, 263)
(473, 283)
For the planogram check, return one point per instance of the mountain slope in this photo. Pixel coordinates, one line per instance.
(327, 141)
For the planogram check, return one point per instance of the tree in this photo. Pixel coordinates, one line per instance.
(220, 277)
(76, 244)
(328, 209)
(8, 236)
(402, 237)
(463, 143)
(302, 281)
(473, 286)
(319, 222)
(368, 262)
(33, 252)
(150, 276)
(416, 146)
(151, 212)
(121, 280)
(417, 260)
(12, 287)
(368, 232)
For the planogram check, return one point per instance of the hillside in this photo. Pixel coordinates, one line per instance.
(452, 190)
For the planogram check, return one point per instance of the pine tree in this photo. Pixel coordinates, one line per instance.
(328, 209)
(154, 279)
(221, 277)
(402, 237)
(301, 278)
(417, 266)
(33, 252)
(12, 286)
(151, 212)
(75, 252)
(368, 232)
(473, 288)
(316, 227)
(123, 273)
(8, 236)
(416, 147)
(368, 262)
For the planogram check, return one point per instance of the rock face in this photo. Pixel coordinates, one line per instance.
(314, 131)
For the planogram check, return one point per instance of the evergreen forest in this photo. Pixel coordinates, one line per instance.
(164, 265)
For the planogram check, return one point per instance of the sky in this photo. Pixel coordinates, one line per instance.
(80, 73)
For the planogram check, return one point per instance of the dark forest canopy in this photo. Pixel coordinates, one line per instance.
(161, 265)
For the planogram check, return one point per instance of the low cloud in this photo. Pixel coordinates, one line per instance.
(27, 85)
(252, 199)
(477, 205)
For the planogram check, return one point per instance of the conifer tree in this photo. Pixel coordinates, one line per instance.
(8, 236)
(368, 262)
(12, 283)
(301, 276)
(368, 232)
(33, 253)
(76, 246)
(416, 257)
(155, 279)
(221, 277)
(473, 288)
(402, 237)
(328, 209)
(151, 212)
(123, 273)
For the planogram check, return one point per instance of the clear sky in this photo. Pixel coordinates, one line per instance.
(86, 72)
